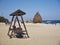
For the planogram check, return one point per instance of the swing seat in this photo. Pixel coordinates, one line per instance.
(18, 33)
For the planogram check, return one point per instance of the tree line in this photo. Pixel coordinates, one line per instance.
(3, 19)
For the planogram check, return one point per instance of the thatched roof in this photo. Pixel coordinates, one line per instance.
(37, 18)
(17, 13)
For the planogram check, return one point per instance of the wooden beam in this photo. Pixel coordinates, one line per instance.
(18, 21)
(11, 21)
(24, 26)
(10, 25)
(14, 21)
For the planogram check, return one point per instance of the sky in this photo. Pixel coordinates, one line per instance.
(48, 9)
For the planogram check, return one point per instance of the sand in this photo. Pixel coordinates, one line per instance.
(40, 34)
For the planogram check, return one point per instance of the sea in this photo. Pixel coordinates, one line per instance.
(51, 21)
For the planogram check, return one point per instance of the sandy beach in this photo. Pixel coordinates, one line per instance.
(40, 34)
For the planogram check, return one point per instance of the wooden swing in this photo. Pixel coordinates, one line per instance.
(16, 14)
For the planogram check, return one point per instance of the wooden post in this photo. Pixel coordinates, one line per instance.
(10, 25)
(11, 21)
(24, 26)
(18, 21)
(14, 21)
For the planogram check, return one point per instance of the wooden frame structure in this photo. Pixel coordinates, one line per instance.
(16, 14)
